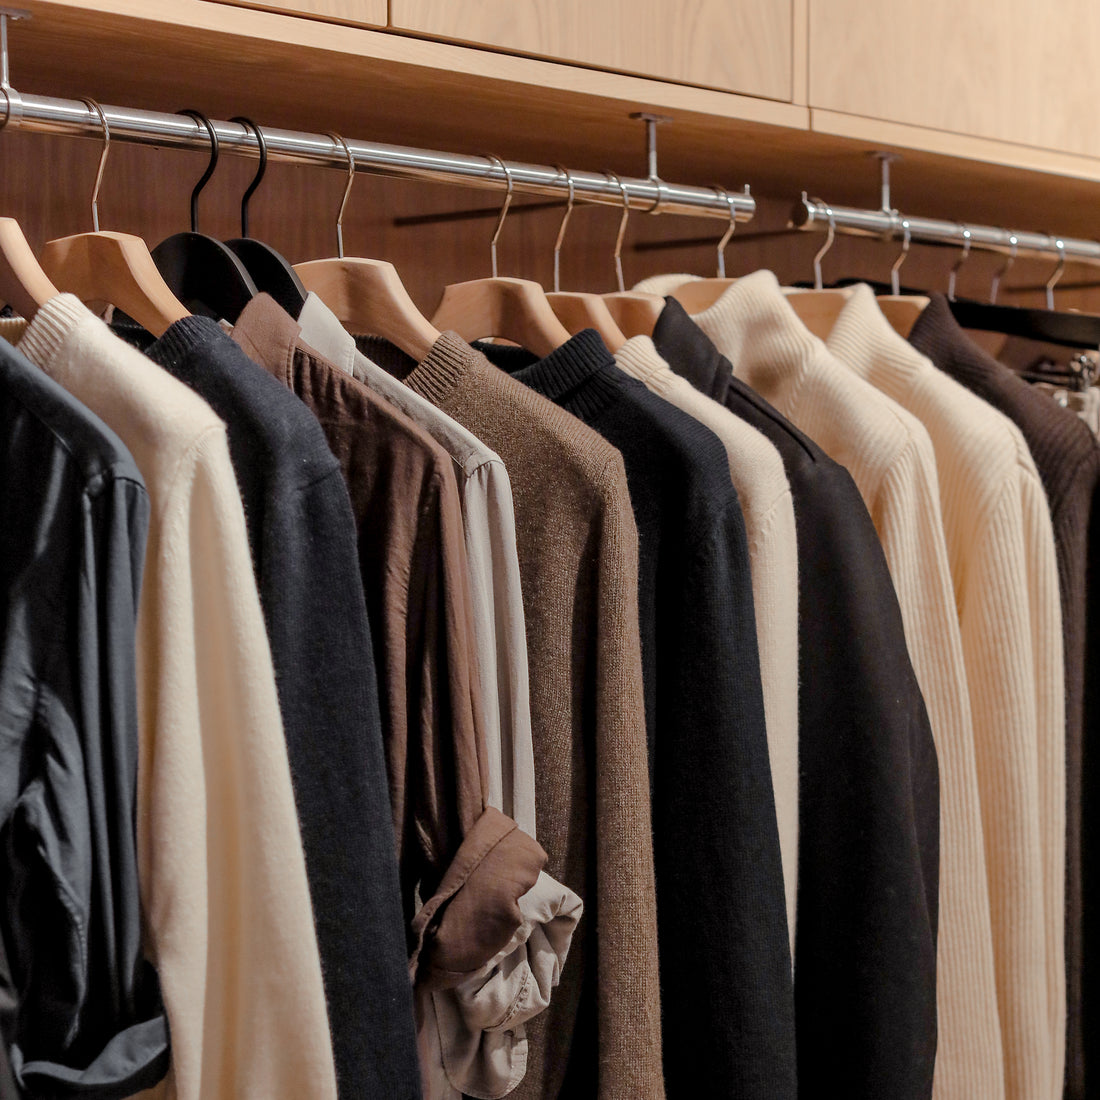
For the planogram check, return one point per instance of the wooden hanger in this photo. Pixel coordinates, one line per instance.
(634, 311)
(116, 268)
(367, 295)
(577, 310)
(23, 284)
(513, 309)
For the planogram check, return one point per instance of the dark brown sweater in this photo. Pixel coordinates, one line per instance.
(578, 556)
(1068, 459)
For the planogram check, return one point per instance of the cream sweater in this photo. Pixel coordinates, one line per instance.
(1001, 552)
(223, 881)
(891, 458)
(761, 483)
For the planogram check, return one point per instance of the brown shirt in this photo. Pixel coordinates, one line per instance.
(578, 556)
(412, 555)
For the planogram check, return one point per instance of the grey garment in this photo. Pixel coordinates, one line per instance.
(74, 513)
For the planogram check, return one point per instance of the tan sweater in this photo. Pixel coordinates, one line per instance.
(999, 534)
(578, 557)
(761, 483)
(223, 879)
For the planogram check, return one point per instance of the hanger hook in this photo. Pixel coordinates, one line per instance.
(903, 255)
(102, 160)
(261, 141)
(347, 191)
(561, 229)
(958, 263)
(729, 229)
(503, 210)
(995, 285)
(215, 152)
(829, 238)
(1061, 246)
(618, 256)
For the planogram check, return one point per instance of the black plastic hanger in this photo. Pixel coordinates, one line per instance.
(202, 272)
(269, 270)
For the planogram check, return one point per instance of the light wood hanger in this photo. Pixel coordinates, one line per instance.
(701, 294)
(819, 308)
(634, 311)
(513, 309)
(575, 309)
(23, 284)
(367, 295)
(902, 310)
(112, 267)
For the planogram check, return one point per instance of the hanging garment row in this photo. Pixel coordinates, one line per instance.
(677, 692)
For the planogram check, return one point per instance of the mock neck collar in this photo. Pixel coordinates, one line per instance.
(690, 352)
(580, 376)
(182, 339)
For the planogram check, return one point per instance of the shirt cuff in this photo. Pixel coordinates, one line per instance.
(476, 911)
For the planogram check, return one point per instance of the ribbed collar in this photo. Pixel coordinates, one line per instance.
(580, 376)
(756, 328)
(51, 326)
(639, 358)
(690, 352)
(183, 339)
(450, 363)
(322, 330)
(863, 339)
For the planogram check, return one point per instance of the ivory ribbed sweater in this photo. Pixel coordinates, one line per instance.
(223, 878)
(765, 495)
(988, 489)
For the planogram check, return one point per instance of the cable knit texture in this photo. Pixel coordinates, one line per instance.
(756, 469)
(1068, 460)
(223, 876)
(578, 555)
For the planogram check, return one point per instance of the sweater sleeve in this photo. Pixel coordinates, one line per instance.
(630, 1065)
(1050, 702)
(716, 840)
(223, 873)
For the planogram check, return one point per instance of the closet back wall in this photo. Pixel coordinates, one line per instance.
(46, 183)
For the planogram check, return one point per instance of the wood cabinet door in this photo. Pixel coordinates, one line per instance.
(1011, 71)
(736, 45)
(369, 13)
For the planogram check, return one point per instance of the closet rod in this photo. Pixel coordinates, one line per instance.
(74, 117)
(813, 214)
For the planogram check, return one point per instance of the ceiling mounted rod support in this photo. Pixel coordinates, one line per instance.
(812, 215)
(885, 160)
(651, 121)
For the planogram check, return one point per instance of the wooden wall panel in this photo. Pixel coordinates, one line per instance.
(1009, 71)
(45, 182)
(738, 45)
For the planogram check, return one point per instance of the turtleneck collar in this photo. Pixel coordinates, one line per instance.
(691, 352)
(580, 376)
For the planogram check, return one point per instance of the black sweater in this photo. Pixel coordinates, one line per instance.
(726, 997)
(303, 544)
(868, 864)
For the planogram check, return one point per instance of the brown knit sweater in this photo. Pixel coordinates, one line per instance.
(578, 556)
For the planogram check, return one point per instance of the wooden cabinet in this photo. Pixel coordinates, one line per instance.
(1011, 71)
(369, 13)
(736, 45)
